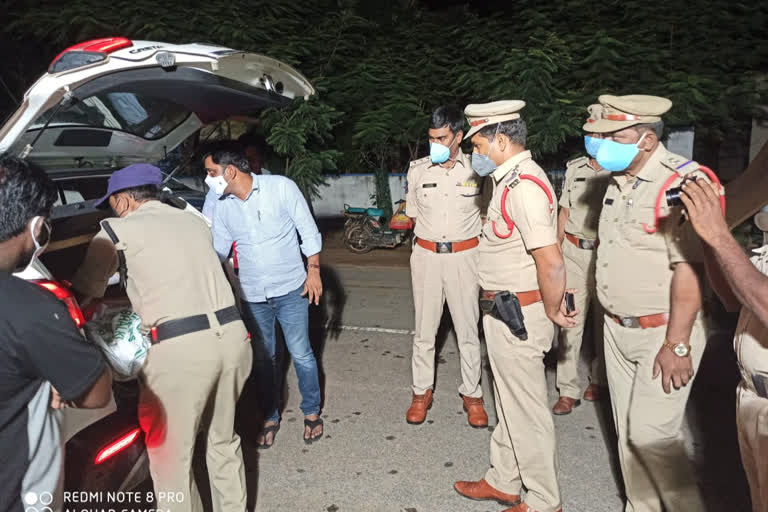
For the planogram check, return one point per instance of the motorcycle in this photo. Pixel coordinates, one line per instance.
(364, 228)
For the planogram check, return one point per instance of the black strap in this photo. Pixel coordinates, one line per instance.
(190, 324)
(122, 268)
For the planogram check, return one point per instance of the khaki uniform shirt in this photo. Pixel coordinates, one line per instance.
(751, 339)
(507, 264)
(446, 203)
(583, 193)
(173, 271)
(634, 268)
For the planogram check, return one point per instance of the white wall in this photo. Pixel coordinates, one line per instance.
(354, 190)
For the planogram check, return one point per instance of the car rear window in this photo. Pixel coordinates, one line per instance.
(140, 115)
(77, 190)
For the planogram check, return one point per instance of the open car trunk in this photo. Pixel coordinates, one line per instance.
(81, 126)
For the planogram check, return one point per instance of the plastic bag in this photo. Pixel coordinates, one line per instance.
(121, 339)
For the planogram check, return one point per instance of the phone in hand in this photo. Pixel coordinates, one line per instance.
(570, 302)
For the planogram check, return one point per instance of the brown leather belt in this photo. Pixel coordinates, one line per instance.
(582, 243)
(525, 298)
(448, 247)
(641, 322)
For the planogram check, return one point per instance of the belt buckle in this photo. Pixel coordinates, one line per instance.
(444, 247)
(630, 322)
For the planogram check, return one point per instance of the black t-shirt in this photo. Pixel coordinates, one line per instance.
(40, 346)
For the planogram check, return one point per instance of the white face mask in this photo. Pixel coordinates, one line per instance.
(40, 246)
(217, 183)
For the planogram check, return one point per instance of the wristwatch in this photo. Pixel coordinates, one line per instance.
(679, 349)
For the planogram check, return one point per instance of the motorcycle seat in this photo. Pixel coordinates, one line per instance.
(375, 212)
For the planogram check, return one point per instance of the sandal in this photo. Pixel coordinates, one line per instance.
(313, 424)
(269, 429)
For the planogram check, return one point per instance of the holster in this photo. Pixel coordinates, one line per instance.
(505, 306)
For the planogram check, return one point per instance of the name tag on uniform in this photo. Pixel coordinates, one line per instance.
(608, 201)
(429, 185)
(580, 179)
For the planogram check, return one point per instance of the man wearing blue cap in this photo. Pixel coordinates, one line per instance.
(200, 356)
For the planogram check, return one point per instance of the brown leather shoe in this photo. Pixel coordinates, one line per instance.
(565, 405)
(482, 490)
(475, 411)
(593, 393)
(417, 412)
(523, 507)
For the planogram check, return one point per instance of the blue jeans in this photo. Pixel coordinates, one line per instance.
(292, 311)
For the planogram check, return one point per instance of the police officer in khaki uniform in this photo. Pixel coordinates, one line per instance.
(520, 260)
(444, 198)
(580, 202)
(200, 357)
(740, 283)
(650, 290)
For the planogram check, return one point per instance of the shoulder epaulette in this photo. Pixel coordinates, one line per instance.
(420, 161)
(512, 179)
(578, 162)
(679, 164)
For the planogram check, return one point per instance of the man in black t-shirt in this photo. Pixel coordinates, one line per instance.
(44, 360)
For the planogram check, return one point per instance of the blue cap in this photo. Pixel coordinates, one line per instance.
(136, 175)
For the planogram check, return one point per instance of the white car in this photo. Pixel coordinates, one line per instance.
(102, 106)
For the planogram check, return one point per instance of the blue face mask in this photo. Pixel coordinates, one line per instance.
(614, 156)
(592, 144)
(482, 164)
(438, 153)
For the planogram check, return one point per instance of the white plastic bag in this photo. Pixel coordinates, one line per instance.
(122, 341)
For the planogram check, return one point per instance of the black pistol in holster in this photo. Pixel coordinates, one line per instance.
(505, 306)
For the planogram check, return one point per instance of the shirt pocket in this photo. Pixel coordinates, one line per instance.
(636, 220)
(467, 197)
(427, 189)
(267, 225)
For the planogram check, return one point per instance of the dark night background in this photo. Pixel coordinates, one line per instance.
(381, 67)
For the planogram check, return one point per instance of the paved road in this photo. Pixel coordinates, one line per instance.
(371, 460)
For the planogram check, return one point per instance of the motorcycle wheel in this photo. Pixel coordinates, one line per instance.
(357, 239)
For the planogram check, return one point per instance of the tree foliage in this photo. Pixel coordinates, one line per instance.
(381, 67)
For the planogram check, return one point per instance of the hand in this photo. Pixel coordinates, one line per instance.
(313, 286)
(674, 369)
(702, 205)
(563, 318)
(56, 401)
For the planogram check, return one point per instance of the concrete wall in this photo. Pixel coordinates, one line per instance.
(354, 190)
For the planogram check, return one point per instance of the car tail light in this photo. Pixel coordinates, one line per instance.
(88, 52)
(117, 446)
(65, 295)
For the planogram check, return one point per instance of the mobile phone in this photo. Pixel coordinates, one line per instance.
(570, 302)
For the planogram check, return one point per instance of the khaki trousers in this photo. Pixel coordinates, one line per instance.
(580, 274)
(523, 445)
(192, 383)
(437, 279)
(649, 422)
(752, 421)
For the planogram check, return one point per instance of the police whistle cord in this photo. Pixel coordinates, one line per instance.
(657, 207)
(505, 215)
